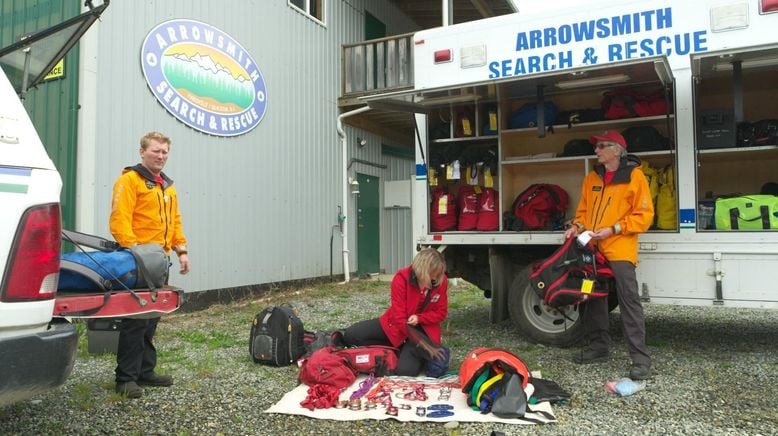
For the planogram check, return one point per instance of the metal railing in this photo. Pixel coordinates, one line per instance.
(378, 65)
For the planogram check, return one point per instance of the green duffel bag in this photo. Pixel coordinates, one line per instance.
(750, 212)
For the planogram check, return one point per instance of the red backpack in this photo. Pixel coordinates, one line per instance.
(571, 275)
(443, 211)
(540, 207)
(326, 366)
(488, 212)
(629, 103)
(371, 359)
(468, 208)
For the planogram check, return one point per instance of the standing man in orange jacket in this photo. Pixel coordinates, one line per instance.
(616, 207)
(145, 210)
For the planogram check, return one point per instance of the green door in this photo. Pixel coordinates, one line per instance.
(368, 241)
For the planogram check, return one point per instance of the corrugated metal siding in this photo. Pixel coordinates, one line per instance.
(397, 246)
(260, 207)
(396, 240)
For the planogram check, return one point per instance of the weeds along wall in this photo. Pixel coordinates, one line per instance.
(259, 207)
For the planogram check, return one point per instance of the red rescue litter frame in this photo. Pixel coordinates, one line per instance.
(119, 304)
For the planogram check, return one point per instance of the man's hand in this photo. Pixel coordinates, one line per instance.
(184, 261)
(603, 233)
(571, 232)
(413, 320)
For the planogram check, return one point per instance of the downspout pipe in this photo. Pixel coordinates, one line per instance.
(345, 186)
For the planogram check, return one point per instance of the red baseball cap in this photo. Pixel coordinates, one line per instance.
(609, 136)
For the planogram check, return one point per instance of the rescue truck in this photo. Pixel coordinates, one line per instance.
(701, 76)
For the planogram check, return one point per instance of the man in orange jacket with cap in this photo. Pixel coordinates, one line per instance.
(616, 207)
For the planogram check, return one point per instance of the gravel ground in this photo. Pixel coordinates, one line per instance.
(715, 372)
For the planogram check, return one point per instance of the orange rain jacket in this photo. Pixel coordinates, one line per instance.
(626, 200)
(142, 211)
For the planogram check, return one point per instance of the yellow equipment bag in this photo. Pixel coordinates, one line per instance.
(666, 201)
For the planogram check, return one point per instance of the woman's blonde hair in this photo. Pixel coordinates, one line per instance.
(427, 261)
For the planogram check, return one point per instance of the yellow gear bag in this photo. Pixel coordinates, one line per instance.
(666, 201)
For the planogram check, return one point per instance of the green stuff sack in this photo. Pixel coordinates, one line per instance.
(750, 212)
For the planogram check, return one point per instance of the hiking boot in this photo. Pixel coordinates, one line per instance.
(156, 380)
(336, 339)
(590, 356)
(130, 389)
(639, 371)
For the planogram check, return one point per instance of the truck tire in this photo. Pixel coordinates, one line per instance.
(540, 322)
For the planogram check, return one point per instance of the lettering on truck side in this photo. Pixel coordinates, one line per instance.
(628, 36)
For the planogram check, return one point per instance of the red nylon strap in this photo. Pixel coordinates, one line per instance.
(321, 396)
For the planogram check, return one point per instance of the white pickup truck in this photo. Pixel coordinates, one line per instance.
(36, 351)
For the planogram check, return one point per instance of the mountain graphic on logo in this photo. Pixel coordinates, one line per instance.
(205, 62)
(207, 83)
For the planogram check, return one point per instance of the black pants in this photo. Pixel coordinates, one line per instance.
(136, 356)
(370, 332)
(632, 318)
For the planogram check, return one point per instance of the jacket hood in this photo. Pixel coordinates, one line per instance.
(627, 164)
(146, 174)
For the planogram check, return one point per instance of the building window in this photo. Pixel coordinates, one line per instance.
(312, 8)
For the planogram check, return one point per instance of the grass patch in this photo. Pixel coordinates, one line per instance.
(173, 355)
(83, 343)
(205, 368)
(214, 339)
(658, 343)
(83, 396)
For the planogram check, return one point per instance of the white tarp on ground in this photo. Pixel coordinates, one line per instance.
(290, 405)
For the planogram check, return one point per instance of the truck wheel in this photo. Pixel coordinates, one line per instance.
(540, 322)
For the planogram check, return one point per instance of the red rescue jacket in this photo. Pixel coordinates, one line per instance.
(406, 297)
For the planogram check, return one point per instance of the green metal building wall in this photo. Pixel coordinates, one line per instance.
(53, 106)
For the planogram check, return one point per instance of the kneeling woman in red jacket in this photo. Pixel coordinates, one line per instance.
(419, 304)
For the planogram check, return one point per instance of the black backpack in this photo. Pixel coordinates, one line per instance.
(577, 147)
(645, 138)
(766, 132)
(277, 337)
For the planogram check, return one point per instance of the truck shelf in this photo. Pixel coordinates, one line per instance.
(595, 125)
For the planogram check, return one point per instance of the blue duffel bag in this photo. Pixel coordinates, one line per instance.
(527, 115)
(111, 268)
(114, 268)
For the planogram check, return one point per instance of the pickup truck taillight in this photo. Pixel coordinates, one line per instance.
(32, 271)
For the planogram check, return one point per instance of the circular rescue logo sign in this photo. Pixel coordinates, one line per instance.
(204, 77)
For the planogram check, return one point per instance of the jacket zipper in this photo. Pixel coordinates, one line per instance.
(598, 219)
(598, 203)
(289, 329)
(163, 216)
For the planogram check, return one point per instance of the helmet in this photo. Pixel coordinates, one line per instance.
(496, 360)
